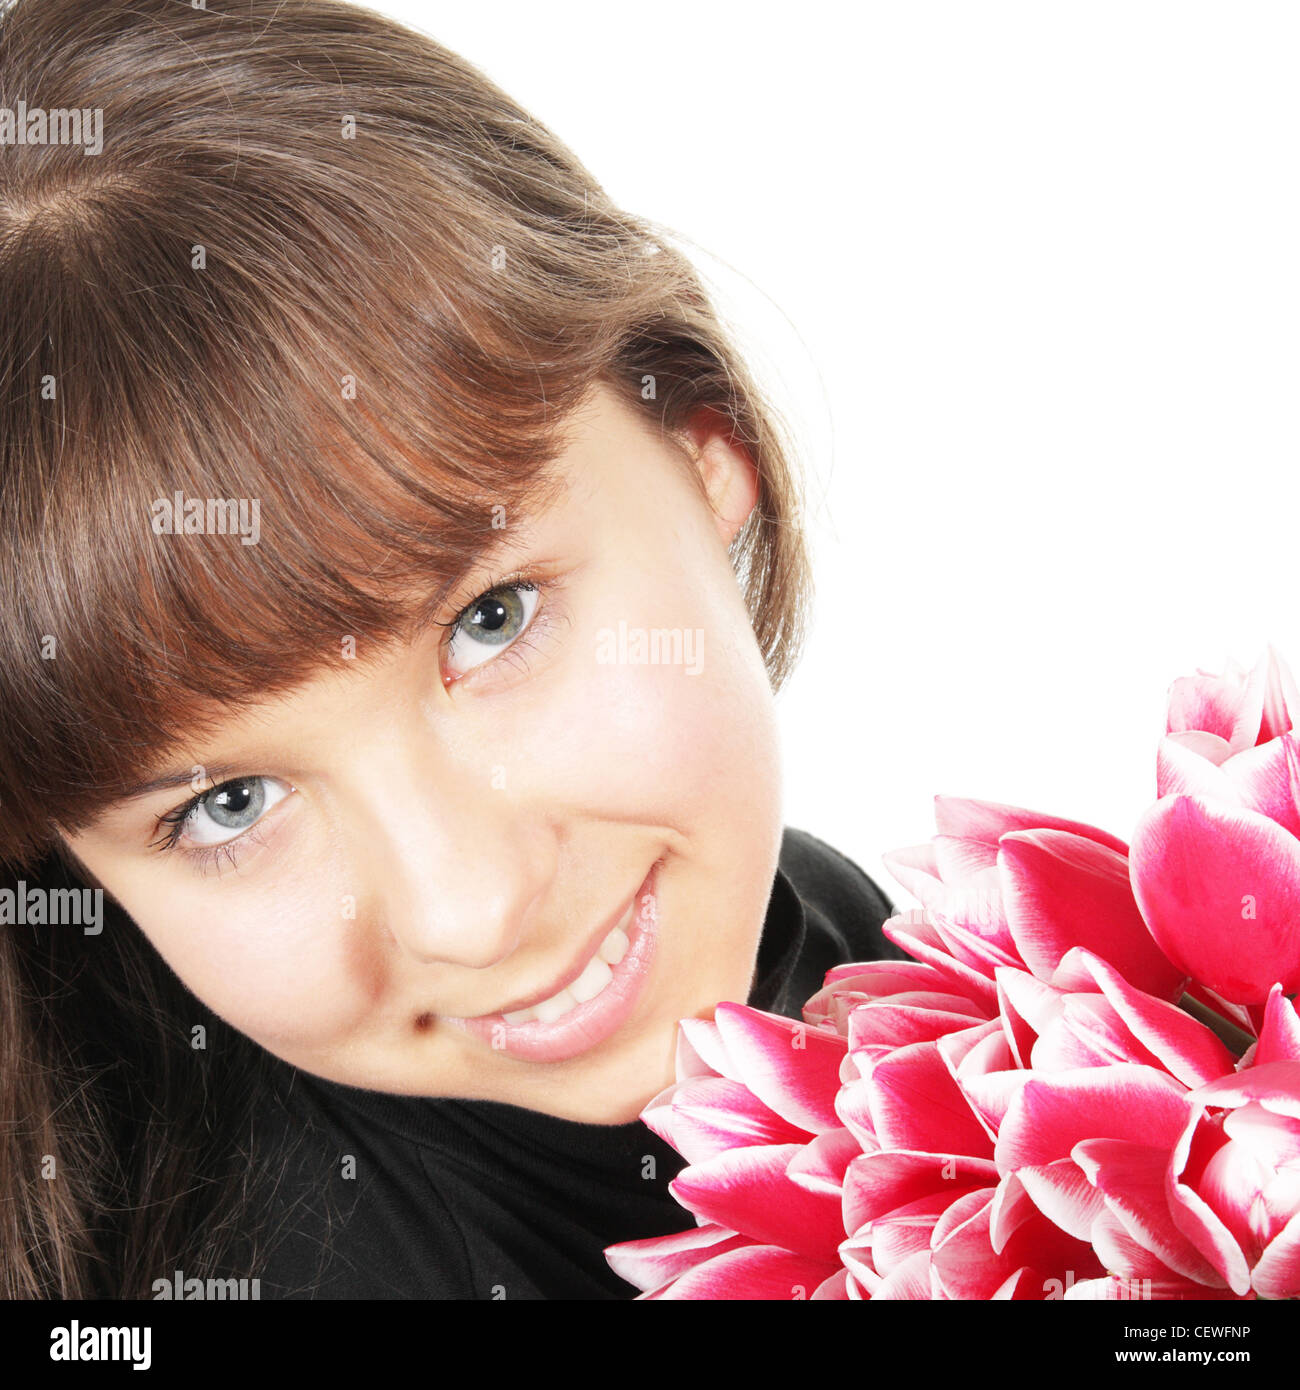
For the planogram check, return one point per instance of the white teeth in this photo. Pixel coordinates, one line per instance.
(554, 1007)
(587, 986)
(592, 980)
(614, 947)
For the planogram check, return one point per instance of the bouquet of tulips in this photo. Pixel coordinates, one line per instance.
(1085, 1083)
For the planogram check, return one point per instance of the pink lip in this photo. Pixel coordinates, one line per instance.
(589, 1024)
(574, 970)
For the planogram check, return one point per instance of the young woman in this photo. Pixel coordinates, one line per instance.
(399, 567)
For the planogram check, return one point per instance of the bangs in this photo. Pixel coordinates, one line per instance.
(316, 457)
(280, 362)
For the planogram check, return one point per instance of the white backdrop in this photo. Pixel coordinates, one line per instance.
(1024, 277)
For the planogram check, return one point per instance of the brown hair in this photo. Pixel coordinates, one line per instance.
(323, 263)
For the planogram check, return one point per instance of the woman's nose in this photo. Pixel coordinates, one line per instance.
(461, 866)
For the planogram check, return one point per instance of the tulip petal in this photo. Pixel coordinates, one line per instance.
(651, 1263)
(983, 953)
(1279, 1039)
(964, 1265)
(916, 869)
(1111, 1287)
(910, 1281)
(1088, 1033)
(1064, 1195)
(990, 1095)
(958, 859)
(1220, 888)
(1281, 700)
(1023, 1284)
(1185, 1047)
(820, 1164)
(879, 1182)
(1191, 762)
(855, 1252)
(1124, 1256)
(792, 1068)
(962, 1258)
(1133, 1179)
(1264, 779)
(1050, 1115)
(924, 942)
(915, 1104)
(1062, 891)
(752, 1272)
(836, 1287)
(888, 1022)
(1193, 1215)
(699, 1039)
(1012, 1207)
(990, 820)
(748, 1191)
(1277, 1272)
(706, 1115)
(1274, 1085)
(1226, 705)
(1032, 1000)
(899, 1234)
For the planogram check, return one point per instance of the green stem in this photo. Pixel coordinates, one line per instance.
(1235, 1039)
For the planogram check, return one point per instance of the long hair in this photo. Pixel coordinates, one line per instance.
(322, 263)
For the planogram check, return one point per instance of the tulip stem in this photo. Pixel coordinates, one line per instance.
(1235, 1039)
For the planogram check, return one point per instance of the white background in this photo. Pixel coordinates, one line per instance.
(1024, 278)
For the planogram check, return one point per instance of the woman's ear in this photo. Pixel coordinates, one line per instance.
(728, 476)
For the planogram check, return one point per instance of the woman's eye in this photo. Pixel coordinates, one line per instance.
(227, 811)
(492, 622)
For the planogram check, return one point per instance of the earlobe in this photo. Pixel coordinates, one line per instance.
(728, 476)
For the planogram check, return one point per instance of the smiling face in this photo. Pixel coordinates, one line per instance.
(413, 844)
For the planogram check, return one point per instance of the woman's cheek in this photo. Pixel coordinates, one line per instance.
(682, 741)
(284, 966)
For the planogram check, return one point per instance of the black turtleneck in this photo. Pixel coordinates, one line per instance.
(449, 1198)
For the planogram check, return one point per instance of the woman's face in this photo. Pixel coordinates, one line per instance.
(579, 785)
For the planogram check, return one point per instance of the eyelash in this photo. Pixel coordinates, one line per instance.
(209, 856)
(203, 857)
(518, 649)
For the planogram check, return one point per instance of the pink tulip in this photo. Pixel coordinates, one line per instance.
(1030, 1107)
(1110, 1072)
(1001, 886)
(845, 1157)
(891, 1003)
(1215, 862)
(1264, 777)
(1182, 1193)
(926, 1210)
(1102, 1020)
(1219, 886)
(754, 1115)
(1237, 708)
(1234, 1177)
(1208, 1207)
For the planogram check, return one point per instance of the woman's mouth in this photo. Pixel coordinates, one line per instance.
(594, 1005)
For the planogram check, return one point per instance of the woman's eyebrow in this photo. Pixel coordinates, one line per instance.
(496, 554)
(214, 774)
